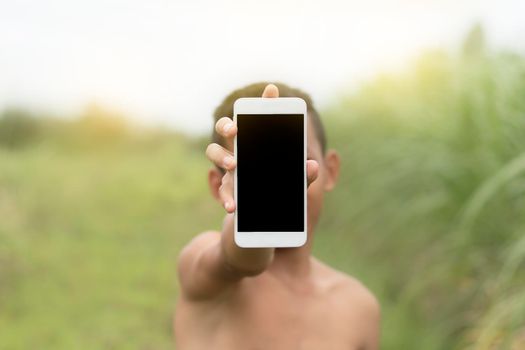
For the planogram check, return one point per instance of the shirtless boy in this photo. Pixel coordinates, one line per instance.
(264, 298)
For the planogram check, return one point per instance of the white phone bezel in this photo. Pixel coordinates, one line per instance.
(262, 105)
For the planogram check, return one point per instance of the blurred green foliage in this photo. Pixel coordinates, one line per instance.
(431, 206)
(429, 213)
(89, 239)
(17, 128)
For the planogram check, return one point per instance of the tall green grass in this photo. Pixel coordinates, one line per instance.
(431, 204)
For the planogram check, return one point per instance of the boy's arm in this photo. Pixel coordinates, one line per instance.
(370, 318)
(373, 331)
(212, 261)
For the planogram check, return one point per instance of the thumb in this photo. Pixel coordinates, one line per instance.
(270, 91)
(312, 171)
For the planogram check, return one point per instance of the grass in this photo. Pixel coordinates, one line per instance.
(429, 213)
(88, 244)
(432, 203)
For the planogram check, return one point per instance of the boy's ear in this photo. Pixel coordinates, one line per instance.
(215, 181)
(333, 164)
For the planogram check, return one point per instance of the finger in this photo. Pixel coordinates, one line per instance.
(226, 193)
(220, 156)
(226, 127)
(271, 91)
(312, 170)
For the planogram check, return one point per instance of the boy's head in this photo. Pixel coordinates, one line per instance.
(225, 109)
(328, 160)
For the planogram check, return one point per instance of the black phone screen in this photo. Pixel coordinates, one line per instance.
(270, 172)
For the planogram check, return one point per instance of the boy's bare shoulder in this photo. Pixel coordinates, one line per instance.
(202, 239)
(195, 246)
(347, 290)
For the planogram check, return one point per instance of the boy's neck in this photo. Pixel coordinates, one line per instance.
(292, 262)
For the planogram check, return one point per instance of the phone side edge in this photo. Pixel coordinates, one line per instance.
(305, 173)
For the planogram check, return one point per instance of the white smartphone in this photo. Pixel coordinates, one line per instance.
(270, 177)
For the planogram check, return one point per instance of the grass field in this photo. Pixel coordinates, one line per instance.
(429, 213)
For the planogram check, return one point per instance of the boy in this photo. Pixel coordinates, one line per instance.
(265, 298)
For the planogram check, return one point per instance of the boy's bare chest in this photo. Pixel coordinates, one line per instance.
(270, 317)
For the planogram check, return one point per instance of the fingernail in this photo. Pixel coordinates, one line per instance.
(227, 205)
(228, 161)
(227, 127)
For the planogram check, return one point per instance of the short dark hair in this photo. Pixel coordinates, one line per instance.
(225, 109)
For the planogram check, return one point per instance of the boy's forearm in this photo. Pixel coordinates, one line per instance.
(243, 261)
(212, 262)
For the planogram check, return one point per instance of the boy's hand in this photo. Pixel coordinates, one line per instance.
(224, 159)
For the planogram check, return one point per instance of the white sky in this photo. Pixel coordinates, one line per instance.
(171, 62)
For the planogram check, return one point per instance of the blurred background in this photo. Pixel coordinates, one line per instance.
(105, 111)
